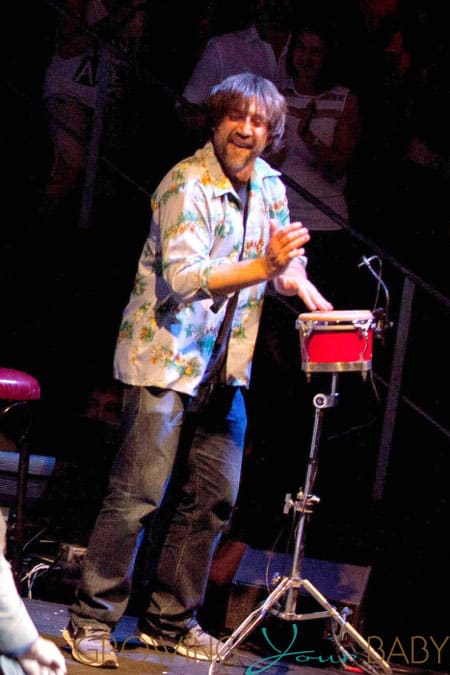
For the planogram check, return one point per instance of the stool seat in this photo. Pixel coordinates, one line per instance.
(16, 385)
(18, 389)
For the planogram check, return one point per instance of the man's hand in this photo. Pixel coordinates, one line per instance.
(293, 285)
(285, 244)
(43, 658)
(294, 281)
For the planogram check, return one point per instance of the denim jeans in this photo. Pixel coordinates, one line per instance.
(158, 438)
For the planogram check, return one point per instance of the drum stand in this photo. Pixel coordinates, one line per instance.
(352, 648)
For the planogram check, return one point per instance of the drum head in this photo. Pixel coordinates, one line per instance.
(337, 316)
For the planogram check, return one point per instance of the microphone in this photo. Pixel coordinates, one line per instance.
(382, 322)
(381, 315)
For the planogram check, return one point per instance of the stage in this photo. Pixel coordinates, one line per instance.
(249, 659)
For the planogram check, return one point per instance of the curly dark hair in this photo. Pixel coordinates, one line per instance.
(237, 92)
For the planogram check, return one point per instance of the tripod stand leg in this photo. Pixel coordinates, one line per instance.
(250, 622)
(362, 655)
(358, 651)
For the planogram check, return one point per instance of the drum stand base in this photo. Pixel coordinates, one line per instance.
(352, 648)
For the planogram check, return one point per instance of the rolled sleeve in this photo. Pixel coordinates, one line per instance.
(189, 244)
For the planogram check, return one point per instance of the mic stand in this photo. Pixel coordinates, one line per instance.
(352, 648)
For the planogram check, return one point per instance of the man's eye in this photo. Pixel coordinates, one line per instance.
(258, 121)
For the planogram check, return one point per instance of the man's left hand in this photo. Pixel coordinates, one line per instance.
(294, 281)
(313, 299)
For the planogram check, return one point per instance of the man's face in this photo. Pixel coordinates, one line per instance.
(239, 138)
(271, 16)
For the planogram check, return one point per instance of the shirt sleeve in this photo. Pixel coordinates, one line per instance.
(188, 243)
(17, 630)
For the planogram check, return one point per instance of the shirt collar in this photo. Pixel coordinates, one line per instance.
(221, 183)
(250, 34)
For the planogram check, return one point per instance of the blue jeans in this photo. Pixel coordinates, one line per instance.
(158, 438)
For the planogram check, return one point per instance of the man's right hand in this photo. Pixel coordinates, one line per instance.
(285, 244)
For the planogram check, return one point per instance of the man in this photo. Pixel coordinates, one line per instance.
(259, 46)
(22, 649)
(220, 226)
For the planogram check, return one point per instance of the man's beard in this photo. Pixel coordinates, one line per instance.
(235, 161)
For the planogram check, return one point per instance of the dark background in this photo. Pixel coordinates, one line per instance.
(63, 291)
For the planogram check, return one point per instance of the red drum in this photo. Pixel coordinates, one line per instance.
(336, 341)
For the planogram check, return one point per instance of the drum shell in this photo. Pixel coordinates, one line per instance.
(336, 344)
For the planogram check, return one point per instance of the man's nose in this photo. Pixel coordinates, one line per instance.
(245, 126)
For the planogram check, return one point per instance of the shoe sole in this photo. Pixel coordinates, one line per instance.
(111, 662)
(190, 653)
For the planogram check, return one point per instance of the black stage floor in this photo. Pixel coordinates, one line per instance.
(249, 659)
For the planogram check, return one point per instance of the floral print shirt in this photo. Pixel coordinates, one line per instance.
(171, 321)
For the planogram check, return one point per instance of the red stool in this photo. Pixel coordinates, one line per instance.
(17, 389)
